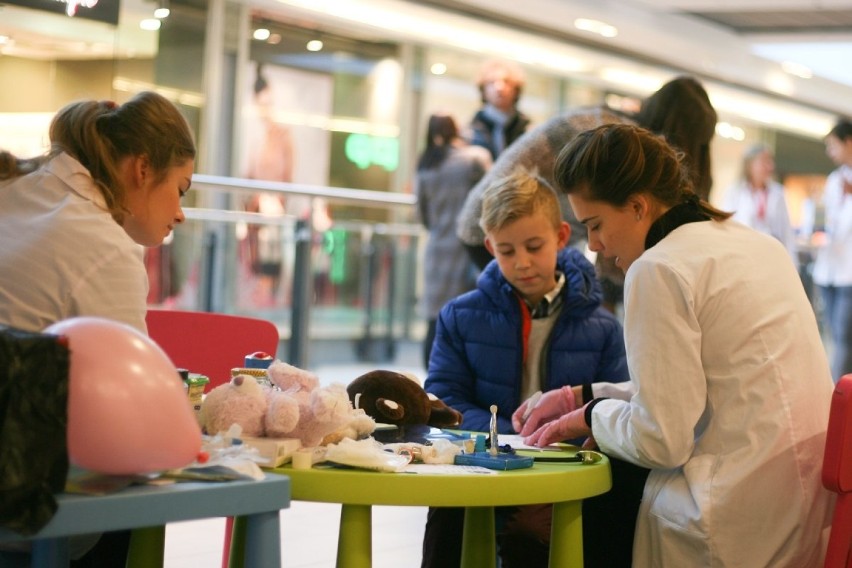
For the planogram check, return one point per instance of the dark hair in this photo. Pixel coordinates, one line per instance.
(440, 134)
(99, 134)
(260, 82)
(612, 162)
(682, 112)
(842, 129)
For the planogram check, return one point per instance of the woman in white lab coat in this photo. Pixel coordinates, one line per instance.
(730, 383)
(757, 200)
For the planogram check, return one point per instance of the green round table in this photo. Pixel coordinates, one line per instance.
(563, 484)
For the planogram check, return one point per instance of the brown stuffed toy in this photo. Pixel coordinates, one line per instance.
(393, 398)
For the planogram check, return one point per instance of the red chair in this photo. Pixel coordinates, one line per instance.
(837, 474)
(210, 344)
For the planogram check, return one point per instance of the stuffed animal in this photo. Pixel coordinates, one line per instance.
(325, 413)
(259, 411)
(396, 398)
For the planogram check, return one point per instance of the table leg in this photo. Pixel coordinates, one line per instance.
(478, 548)
(263, 540)
(355, 545)
(566, 535)
(50, 552)
(237, 552)
(147, 546)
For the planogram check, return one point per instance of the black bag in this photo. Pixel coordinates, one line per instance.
(33, 423)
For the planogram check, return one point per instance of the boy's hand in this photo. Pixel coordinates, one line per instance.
(571, 425)
(553, 404)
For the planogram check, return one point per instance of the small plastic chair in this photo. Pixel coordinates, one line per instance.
(210, 344)
(837, 474)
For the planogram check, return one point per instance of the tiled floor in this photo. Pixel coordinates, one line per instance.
(308, 538)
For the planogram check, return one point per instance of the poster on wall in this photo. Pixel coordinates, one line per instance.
(285, 125)
(285, 138)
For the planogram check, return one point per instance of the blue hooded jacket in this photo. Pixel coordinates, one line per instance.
(478, 354)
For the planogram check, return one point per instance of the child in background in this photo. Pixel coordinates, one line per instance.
(533, 323)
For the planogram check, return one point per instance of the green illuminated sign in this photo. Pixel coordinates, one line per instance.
(364, 150)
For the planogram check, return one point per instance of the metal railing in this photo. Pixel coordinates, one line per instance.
(356, 279)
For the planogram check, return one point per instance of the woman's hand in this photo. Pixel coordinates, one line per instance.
(571, 425)
(550, 406)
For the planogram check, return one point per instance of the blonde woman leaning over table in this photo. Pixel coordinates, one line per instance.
(72, 221)
(731, 386)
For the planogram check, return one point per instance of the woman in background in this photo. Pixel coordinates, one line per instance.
(833, 266)
(446, 171)
(758, 201)
(498, 122)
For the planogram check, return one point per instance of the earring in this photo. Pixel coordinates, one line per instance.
(638, 217)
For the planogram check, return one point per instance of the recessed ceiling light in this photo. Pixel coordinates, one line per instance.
(261, 34)
(150, 24)
(797, 69)
(314, 45)
(161, 13)
(438, 69)
(595, 27)
(728, 130)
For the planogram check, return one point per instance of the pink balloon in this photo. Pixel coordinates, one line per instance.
(127, 409)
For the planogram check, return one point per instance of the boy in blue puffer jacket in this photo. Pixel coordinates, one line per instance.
(534, 323)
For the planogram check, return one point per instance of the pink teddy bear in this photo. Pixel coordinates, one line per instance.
(325, 413)
(257, 410)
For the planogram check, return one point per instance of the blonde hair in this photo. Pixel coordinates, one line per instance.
(512, 70)
(520, 194)
(99, 134)
(751, 154)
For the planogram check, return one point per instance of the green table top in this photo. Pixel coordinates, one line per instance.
(542, 483)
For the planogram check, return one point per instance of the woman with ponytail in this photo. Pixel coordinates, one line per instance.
(73, 221)
(730, 383)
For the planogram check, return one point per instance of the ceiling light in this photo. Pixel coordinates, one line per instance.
(162, 10)
(261, 34)
(595, 27)
(797, 69)
(314, 45)
(438, 69)
(728, 130)
(150, 24)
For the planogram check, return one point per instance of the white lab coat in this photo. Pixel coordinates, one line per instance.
(62, 253)
(743, 202)
(731, 394)
(833, 266)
